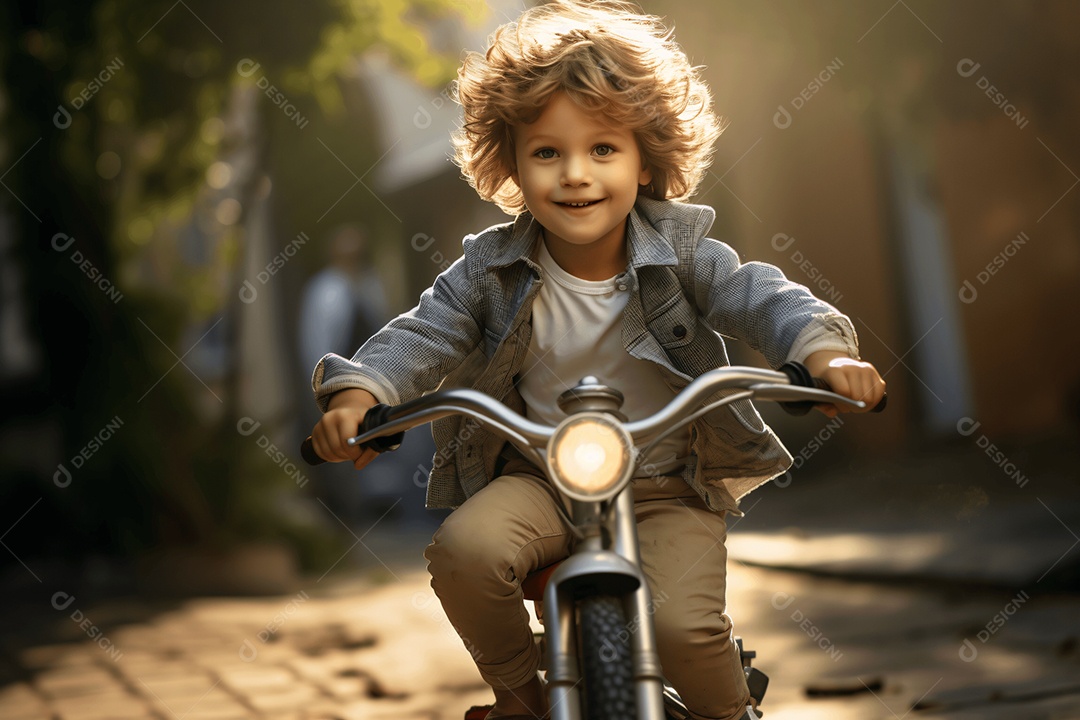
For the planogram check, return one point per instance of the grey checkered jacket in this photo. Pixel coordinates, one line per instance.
(472, 329)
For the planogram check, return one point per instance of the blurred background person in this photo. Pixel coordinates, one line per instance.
(342, 305)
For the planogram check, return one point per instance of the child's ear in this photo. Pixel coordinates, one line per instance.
(645, 176)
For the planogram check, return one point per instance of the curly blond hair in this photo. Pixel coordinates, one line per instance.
(609, 58)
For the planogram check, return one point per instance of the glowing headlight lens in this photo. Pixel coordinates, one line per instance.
(590, 455)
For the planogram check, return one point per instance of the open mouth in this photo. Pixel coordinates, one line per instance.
(582, 204)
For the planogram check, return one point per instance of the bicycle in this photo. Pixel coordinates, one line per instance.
(591, 456)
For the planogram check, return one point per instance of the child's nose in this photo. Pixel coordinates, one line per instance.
(575, 171)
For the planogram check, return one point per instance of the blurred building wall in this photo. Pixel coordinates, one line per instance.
(804, 177)
(883, 203)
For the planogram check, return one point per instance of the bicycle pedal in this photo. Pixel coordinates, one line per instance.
(758, 682)
(745, 656)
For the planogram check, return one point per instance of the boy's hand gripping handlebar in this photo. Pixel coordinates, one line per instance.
(376, 416)
(799, 375)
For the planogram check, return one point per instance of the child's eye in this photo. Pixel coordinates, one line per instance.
(604, 150)
(545, 153)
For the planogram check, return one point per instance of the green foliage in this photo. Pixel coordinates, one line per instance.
(153, 92)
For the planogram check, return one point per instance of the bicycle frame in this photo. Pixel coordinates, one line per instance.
(588, 560)
(598, 566)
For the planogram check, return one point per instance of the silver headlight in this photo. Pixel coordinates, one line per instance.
(590, 456)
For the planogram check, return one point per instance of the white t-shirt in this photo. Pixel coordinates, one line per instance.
(577, 331)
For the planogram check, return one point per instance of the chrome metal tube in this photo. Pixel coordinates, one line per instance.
(563, 674)
(697, 391)
(648, 677)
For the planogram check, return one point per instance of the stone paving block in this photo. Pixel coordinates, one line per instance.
(345, 688)
(227, 653)
(252, 650)
(28, 715)
(258, 678)
(222, 711)
(113, 707)
(322, 709)
(179, 687)
(419, 708)
(39, 657)
(20, 699)
(193, 641)
(135, 637)
(69, 681)
(133, 716)
(216, 701)
(143, 657)
(147, 669)
(313, 668)
(294, 697)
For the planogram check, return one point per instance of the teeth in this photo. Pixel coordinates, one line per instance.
(580, 204)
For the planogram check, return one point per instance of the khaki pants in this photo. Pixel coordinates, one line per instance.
(486, 547)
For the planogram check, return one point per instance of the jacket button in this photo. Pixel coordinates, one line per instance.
(679, 331)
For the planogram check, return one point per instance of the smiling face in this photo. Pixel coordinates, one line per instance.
(579, 177)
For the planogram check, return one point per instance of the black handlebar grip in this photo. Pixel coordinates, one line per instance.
(307, 451)
(376, 416)
(799, 375)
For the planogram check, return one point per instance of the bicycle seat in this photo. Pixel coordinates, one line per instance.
(534, 583)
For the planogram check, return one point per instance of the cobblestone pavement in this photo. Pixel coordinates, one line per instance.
(349, 649)
(971, 639)
(360, 648)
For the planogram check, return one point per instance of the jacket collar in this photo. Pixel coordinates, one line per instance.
(648, 227)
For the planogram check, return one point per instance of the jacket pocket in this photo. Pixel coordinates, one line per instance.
(674, 323)
(738, 422)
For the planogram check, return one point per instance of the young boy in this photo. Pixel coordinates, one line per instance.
(587, 123)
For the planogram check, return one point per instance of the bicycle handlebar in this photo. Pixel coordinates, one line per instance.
(793, 387)
(799, 375)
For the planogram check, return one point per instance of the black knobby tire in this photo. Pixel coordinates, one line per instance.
(606, 662)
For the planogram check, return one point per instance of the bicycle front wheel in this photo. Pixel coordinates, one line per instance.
(606, 660)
